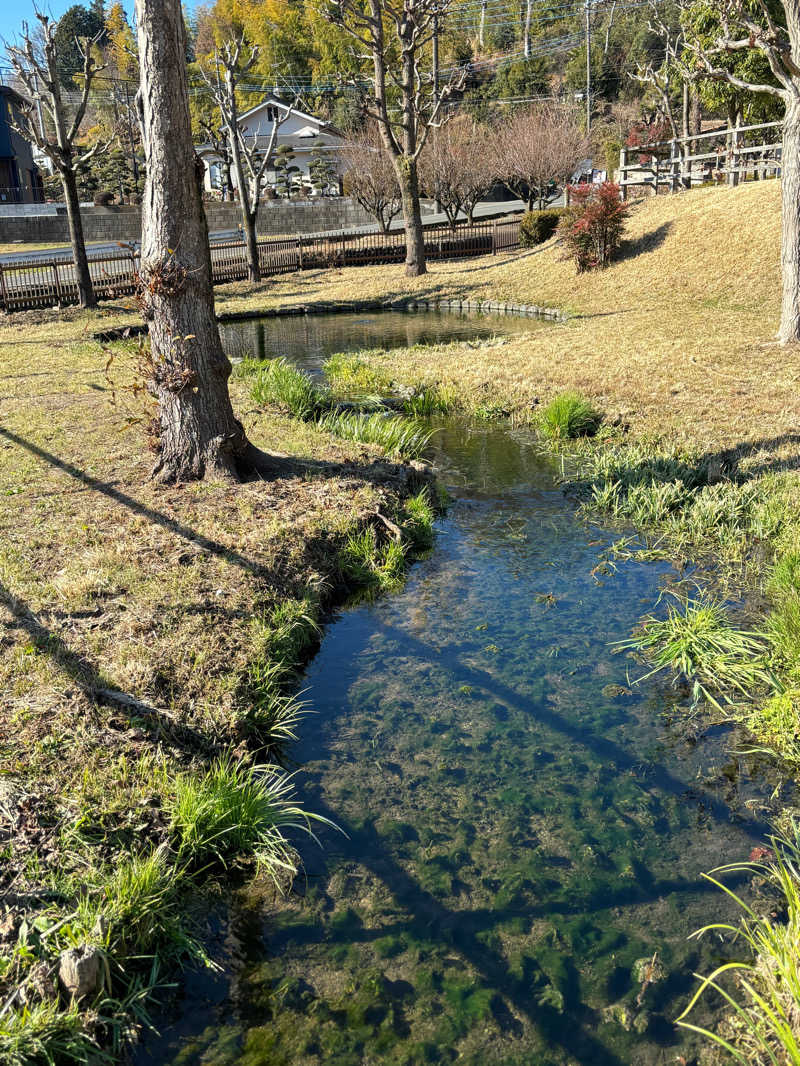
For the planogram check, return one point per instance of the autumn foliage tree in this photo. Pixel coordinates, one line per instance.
(592, 225)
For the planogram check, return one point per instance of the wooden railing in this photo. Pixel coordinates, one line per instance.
(731, 154)
(52, 282)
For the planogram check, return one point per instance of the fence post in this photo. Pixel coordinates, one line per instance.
(3, 288)
(733, 171)
(623, 175)
(54, 267)
(674, 158)
(299, 253)
(494, 238)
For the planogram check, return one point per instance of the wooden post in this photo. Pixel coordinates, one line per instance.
(733, 173)
(54, 267)
(623, 174)
(3, 293)
(299, 253)
(494, 238)
(675, 166)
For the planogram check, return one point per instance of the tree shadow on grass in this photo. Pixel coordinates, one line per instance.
(648, 242)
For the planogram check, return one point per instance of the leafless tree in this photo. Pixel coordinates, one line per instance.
(744, 26)
(457, 167)
(217, 138)
(369, 175)
(250, 157)
(537, 147)
(396, 35)
(36, 64)
(198, 433)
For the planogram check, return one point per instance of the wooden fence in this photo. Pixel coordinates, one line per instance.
(51, 282)
(731, 154)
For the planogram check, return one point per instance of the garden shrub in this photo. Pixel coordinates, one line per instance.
(592, 225)
(537, 227)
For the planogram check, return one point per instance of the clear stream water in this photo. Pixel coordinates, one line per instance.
(523, 825)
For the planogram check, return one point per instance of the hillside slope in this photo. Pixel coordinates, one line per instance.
(677, 337)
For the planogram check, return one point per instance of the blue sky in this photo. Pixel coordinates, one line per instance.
(14, 12)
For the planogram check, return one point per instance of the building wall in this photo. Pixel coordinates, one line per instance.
(18, 223)
(19, 170)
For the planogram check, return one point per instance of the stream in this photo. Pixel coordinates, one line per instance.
(524, 828)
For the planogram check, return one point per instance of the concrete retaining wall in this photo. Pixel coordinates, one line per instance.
(125, 223)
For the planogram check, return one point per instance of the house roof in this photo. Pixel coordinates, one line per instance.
(277, 102)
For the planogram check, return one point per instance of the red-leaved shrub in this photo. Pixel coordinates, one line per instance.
(592, 225)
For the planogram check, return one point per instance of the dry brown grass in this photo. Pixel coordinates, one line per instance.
(676, 337)
(108, 580)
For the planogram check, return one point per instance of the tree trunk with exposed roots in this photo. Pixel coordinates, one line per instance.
(198, 433)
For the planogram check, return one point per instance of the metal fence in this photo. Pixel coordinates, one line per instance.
(51, 282)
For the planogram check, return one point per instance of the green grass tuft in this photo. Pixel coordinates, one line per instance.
(697, 641)
(278, 382)
(764, 995)
(372, 566)
(418, 520)
(431, 400)
(396, 435)
(46, 1034)
(238, 812)
(349, 373)
(568, 416)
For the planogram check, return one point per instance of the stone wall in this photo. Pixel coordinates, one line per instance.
(124, 223)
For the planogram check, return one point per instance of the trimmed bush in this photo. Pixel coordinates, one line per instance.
(537, 227)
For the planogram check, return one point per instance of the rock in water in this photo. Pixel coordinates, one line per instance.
(79, 971)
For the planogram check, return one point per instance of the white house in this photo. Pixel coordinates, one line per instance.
(300, 131)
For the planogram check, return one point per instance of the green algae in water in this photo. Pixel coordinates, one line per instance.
(523, 828)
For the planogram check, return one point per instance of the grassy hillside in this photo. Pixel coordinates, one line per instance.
(685, 319)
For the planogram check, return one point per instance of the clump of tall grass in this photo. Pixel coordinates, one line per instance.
(396, 435)
(238, 812)
(783, 622)
(763, 1028)
(278, 382)
(141, 909)
(697, 641)
(776, 724)
(430, 400)
(680, 497)
(49, 1034)
(418, 519)
(568, 416)
(370, 565)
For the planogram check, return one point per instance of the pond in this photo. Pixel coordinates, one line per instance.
(307, 340)
(524, 828)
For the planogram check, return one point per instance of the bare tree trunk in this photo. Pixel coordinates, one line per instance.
(198, 433)
(248, 216)
(526, 34)
(790, 225)
(86, 296)
(482, 24)
(415, 235)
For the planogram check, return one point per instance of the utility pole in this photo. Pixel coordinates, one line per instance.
(588, 70)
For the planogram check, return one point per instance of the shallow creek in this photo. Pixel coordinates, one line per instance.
(525, 828)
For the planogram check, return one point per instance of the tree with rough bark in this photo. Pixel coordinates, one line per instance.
(369, 175)
(457, 167)
(197, 432)
(397, 36)
(772, 29)
(249, 156)
(54, 131)
(538, 148)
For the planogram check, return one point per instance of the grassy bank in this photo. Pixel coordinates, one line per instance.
(151, 637)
